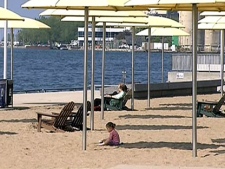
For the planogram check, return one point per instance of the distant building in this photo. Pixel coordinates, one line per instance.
(110, 34)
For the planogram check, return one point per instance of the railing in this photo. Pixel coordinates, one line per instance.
(183, 61)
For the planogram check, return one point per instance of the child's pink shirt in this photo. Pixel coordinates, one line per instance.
(114, 138)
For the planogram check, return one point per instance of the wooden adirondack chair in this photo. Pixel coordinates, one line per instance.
(77, 121)
(58, 122)
(210, 109)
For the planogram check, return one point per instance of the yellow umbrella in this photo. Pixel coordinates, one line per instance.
(146, 22)
(106, 5)
(194, 6)
(163, 32)
(209, 13)
(6, 14)
(95, 13)
(178, 5)
(213, 19)
(211, 26)
(26, 23)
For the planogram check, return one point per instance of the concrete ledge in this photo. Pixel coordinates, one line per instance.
(172, 89)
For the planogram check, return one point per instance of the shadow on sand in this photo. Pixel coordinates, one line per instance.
(151, 116)
(20, 120)
(220, 140)
(172, 145)
(156, 127)
(7, 132)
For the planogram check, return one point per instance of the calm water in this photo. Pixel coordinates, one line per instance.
(56, 69)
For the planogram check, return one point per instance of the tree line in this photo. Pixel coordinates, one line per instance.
(61, 32)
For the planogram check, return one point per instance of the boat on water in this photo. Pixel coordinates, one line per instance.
(41, 47)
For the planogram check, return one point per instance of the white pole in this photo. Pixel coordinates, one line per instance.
(132, 63)
(194, 77)
(12, 59)
(149, 63)
(162, 59)
(84, 132)
(93, 74)
(103, 69)
(222, 60)
(5, 43)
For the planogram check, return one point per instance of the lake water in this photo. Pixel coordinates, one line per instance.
(63, 69)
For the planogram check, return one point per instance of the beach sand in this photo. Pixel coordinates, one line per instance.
(159, 137)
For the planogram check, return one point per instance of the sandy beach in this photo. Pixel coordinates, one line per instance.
(159, 138)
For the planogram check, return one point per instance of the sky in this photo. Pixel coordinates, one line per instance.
(15, 6)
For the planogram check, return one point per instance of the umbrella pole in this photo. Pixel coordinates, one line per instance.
(84, 132)
(132, 62)
(162, 59)
(5, 43)
(194, 77)
(12, 59)
(103, 70)
(222, 59)
(149, 62)
(93, 74)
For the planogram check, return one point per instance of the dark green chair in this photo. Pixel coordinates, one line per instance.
(118, 104)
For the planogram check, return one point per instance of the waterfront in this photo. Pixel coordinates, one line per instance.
(59, 69)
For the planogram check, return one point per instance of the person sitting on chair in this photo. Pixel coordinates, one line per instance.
(122, 89)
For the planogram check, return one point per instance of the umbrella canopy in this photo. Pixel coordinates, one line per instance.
(6, 14)
(178, 5)
(209, 13)
(150, 21)
(107, 5)
(163, 32)
(211, 26)
(27, 23)
(96, 13)
(213, 19)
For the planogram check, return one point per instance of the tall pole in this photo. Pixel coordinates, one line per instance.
(162, 59)
(194, 77)
(222, 60)
(149, 63)
(84, 132)
(103, 69)
(12, 58)
(5, 43)
(93, 74)
(132, 65)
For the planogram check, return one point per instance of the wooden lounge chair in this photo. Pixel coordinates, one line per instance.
(77, 122)
(210, 109)
(58, 122)
(119, 104)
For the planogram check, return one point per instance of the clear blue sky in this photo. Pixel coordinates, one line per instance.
(15, 6)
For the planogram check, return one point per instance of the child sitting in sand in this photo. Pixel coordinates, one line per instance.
(114, 138)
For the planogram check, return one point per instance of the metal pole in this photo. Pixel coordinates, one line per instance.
(162, 59)
(149, 68)
(93, 74)
(194, 77)
(84, 132)
(5, 43)
(103, 69)
(12, 59)
(132, 65)
(222, 60)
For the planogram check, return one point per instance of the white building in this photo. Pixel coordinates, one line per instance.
(110, 34)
